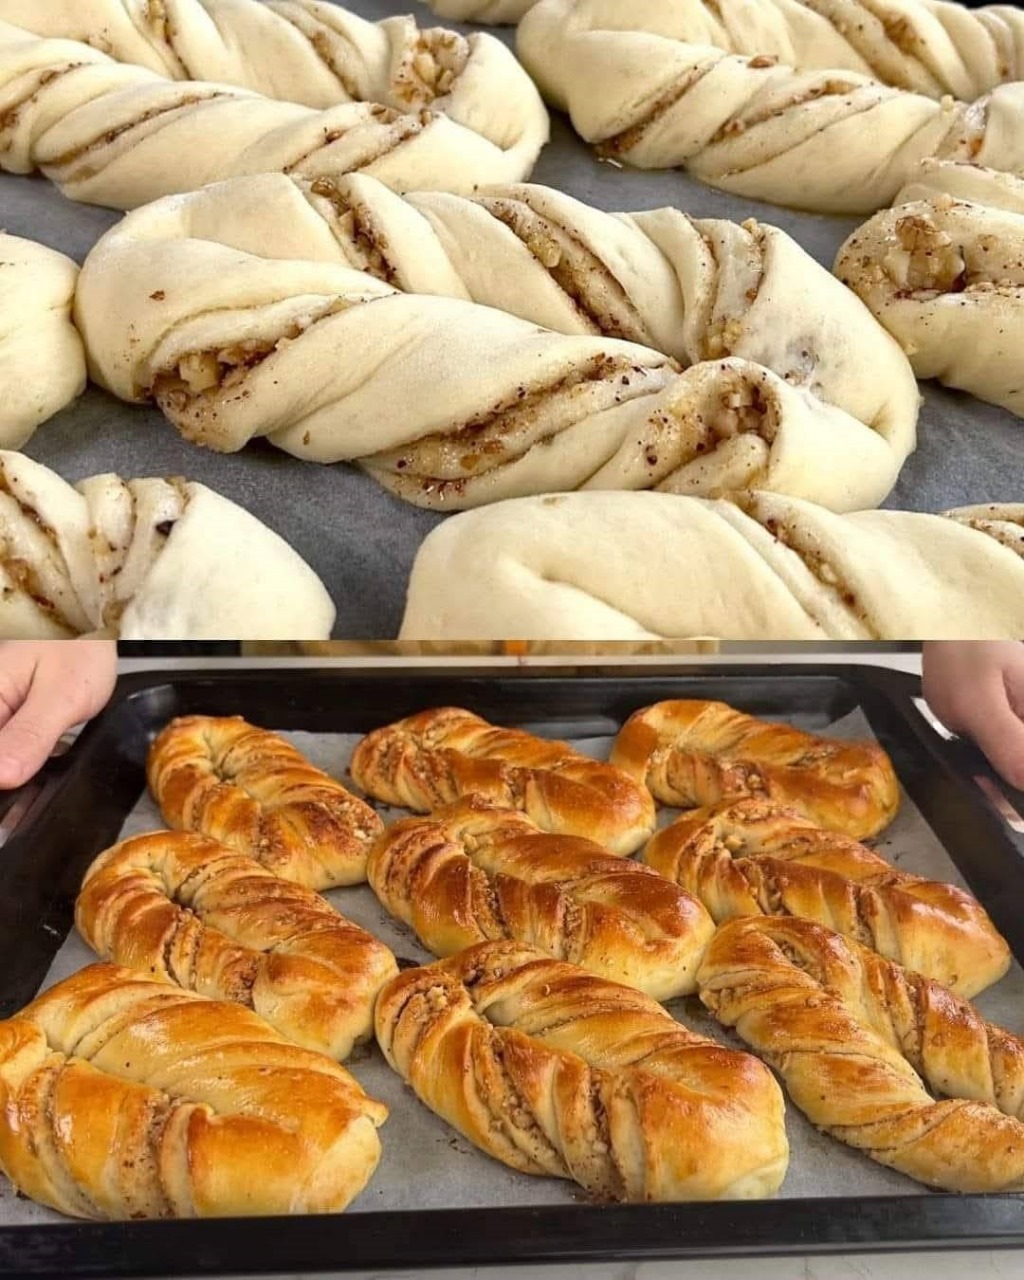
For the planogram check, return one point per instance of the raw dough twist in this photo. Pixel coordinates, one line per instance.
(828, 140)
(254, 792)
(644, 566)
(691, 753)
(42, 362)
(122, 1097)
(945, 275)
(494, 11)
(145, 560)
(246, 310)
(121, 135)
(754, 857)
(191, 911)
(436, 757)
(865, 1048)
(475, 872)
(558, 1073)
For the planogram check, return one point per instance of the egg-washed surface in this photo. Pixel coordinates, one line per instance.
(362, 541)
(426, 1165)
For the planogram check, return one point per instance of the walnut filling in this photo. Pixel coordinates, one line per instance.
(620, 144)
(826, 88)
(431, 65)
(353, 226)
(742, 409)
(394, 129)
(925, 258)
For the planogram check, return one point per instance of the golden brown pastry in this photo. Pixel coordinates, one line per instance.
(436, 757)
(865, 1048)
(475, 872)
(693, 753)
(754, 857)
(558, 1073)
(189, 910)
(253, 791)
(123, 1097)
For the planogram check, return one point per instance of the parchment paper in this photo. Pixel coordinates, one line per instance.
(426, 1165)
(362, 541)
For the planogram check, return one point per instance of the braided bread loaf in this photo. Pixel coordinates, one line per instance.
(474, 872)
(42, 363)
(120, 135)
(828, 140)
(221, 304)
(692, 753)
(864, 1048)
(145, 560)
(190, 911)
(122, 1097)
(639, 566)
(559, 1073)
(945, 275)
(436, 757)
(755, 857)
(254, 792)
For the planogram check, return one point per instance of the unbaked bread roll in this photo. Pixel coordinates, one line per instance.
(256, 793)
(635, 81)
(246, 311)
(865, 1048)
(496, 11)
(692, 753)
(122, 1097)
(458, 112)
(946, 278)
(643, 566)
(145, 560)
(475, 872)
(189, 910)
(436, 757)
(42, 363)
(756, 857)
(558, 1073)
(934, 179)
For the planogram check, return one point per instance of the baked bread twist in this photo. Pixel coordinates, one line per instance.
(459, 112)
(692, 753)
(254, 792)
(826, 140)
(558, 1073)
(436, 757)
(122, 1097)
(755, 857)
(946, 277)
(474, 872)
(190, 911)
(865, 1048)
(145, 560)
(42, 362)
(234, 306)
(644, 566)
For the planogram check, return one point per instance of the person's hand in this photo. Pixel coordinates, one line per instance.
(977, 688)
(47, 686)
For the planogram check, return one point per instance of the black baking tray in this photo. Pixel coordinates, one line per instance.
(85, 796)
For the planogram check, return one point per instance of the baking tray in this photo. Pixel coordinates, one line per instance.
(78, 805)
(362, 540)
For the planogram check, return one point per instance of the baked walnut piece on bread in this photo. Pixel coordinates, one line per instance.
(866, 1048)
(436, 757)
(186, 909)
(253, 791)
(559, 1073)
(124, 1097)
(474, 872)
(754, 857)
(692, 753)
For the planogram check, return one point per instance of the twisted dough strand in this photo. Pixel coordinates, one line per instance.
(862, 1045)
(824, 140)
(190, 911)
(121, 135)
(559, 1073)
(42, 363)
(222, 304)
(644, 566)
(754, 857)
